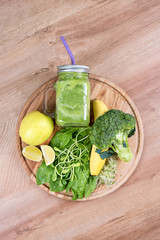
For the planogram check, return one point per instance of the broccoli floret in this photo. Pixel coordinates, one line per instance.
(111, 130)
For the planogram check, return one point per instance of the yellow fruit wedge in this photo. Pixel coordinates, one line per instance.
(48, 153)
(96, 163)
(32, 153)
(99, 108)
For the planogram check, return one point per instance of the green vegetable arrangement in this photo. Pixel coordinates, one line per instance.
(70, 170)
(111, 131)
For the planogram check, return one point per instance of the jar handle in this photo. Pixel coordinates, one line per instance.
(45, 101)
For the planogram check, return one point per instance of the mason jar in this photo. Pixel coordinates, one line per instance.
(72, 96)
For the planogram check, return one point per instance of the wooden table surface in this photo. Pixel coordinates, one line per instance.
(120, 41)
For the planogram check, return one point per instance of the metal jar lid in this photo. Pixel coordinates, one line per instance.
(73, 68)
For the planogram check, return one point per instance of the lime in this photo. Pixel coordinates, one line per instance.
(48, 153)
(36, 128)
(32, 153)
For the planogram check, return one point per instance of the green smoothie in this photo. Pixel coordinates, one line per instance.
(72, 99)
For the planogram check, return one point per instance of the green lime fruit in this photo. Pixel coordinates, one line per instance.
(36, 128)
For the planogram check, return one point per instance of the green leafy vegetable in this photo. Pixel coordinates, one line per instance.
(70, 170)
(62, 138)
(132, 132)
(57, 186)
(91, 185)
(79, 184)
(105, 154)
(44, 173)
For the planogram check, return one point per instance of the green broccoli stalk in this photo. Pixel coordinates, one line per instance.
(111, 130)
(121, 147)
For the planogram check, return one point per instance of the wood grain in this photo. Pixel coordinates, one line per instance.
(114, 98)
(119, 40)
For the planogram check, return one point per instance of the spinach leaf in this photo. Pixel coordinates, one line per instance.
(69, 185)
(44, 173)
(78, 185)
(57, 186)
(91, 185)
(62, 138)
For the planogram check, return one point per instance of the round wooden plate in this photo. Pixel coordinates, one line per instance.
(115, 98)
